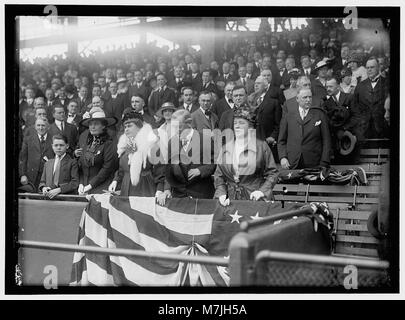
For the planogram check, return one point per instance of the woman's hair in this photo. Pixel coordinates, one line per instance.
(134, 117)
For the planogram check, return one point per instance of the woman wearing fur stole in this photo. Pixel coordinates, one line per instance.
(136, 175)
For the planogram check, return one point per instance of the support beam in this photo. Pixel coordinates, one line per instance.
(72, 43)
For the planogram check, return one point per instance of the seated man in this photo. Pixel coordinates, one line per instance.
(190, 160)
(60, 175)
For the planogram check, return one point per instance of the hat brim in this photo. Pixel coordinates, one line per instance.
(325, 65)
(353, 141)
(109, 120)
(159, 113)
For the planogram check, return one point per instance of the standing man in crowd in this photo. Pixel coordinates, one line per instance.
(161, 95)
(188, 100)
(239, 98)
(226, 103)
(203, 117)
(304, 139)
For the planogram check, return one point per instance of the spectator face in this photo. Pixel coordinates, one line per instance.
(131, 129)
(113, 88)
(240, 61)
(323, 72)
(347, 80)
(239, 96)
(304, 83)
(220, 85)
(77, 83)
(240, 126)
(267, 75)
(138, 76)
(96, 127)
(130, 77)
(41, 126)
(226, 68)
(306, 63)
(162, 67)
(83, 92)
(39, 102)
(167, 114)
(257, 56)
(49, 94)
(249, 68)
(72, 107)
(232, 68)
(109, 73)
(289, 64)
(280, 64)
(59, 147)
(313, 54)
(312, 38)
(120, 73)
(205, 101)
(29, 93)
(372, 68)
(242, 72)
(96, 91)
(96, 102)
(344, 52)
(161, 81)
(188, 59)
(85, 81)
(137, 103)
(214, 65)
(304, 98)
(205, 76)
(332, 87)
(188, 96)
(101, 82)
(153, 84)
(95, 76)
(228, 90)
(40, 113)
(59, 114)
(178, 73)
(260, 85)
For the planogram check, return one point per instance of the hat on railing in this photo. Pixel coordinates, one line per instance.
(99, 114)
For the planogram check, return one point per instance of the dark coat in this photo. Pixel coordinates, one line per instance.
(83, 105)
(210, 87)
(68, 175)
(99, 174)
(318, 90)
(308, 138)
(32, 159)
(369, 103)
(180, 162)
(230, 77)
(258, 173)
(200, 121)
(268, 116)
(283, 79)
(143, 91)
(69, 131)
(339, 113)
(114, 107)
(194, 106)
(158, 98)
(275, 93)
(220, 106)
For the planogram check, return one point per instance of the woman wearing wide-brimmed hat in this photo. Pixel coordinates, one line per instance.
(359, 72)
(165, 133)
(96, 152)
(139, 175)
(246, 169)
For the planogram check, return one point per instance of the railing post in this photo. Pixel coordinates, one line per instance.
(239, 260)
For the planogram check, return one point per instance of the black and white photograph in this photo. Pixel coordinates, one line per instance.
(203, 150)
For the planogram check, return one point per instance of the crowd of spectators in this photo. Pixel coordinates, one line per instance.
(320, 75)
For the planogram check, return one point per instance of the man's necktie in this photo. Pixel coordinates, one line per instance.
(259, 101)
(208, 113)
(42, 144)
(307, 73)
(61, 126)
(243, 82)
(56, 171)
(302, 114)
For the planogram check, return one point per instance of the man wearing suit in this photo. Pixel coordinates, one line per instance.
(369, 98)
(306, 67)
(62, 99)
(272, 90)
(161, 95)
(344, 55)
(60, 126)
(226, 103)
(50, 100)
(239, 98)
(188, 100)
(304, 138)
(60, 175)
(294, 46)
(73, 116)
(291, 104)
(83, 100)
(244, 81)
(35, 151)
(138, 105)
(114, 107)
(194, 75)
(319, 83)
(139, 87)
(226, 76)
(342, 116)
(206, 83)
(203, 118)
(281, 78)
(178, 81)
(191, 162)
(268, 116)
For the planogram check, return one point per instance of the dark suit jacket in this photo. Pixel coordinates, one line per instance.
(82, 105)
(308, 138)
(211, 87)
(70, 131)
(143, 91)
(340, 112)
(76, 120)
(249, 85)
(68, 175)
(229, 78)
(158, 98)
(220, 106)
(101, 173)
(194, 106)
(180, 162)
(65, 103)
(200, 121)
(195, 81)
(115, 107)
(369, 103)
(279, 80)
(31, 159)
(268, 116)
(275, 93)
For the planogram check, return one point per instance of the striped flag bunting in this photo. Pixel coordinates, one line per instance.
(193, 227)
